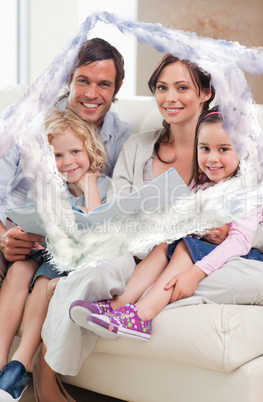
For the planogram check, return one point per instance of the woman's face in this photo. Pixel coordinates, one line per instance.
(176, 95)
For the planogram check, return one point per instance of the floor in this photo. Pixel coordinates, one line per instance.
(79, 394)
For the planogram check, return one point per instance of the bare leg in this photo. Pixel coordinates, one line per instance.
(157, 298)
(34, 316)
(13, 295)
(144, 275)
(45, 382)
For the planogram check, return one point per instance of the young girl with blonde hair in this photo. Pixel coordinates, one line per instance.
(80, 159)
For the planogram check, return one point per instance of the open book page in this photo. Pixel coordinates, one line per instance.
(164, 190)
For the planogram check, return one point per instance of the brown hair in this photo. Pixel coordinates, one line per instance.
(211, 116)
(59, 121)
(98, 49)
(201, 80)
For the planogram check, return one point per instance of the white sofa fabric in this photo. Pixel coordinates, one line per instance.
(201, 353)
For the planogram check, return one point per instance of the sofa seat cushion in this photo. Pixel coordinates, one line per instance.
(211, 336)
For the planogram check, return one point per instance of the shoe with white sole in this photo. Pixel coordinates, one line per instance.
(123, 322)
(80, 310)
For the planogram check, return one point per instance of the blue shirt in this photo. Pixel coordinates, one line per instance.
(14, 186)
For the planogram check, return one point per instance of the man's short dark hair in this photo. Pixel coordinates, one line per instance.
(98, 49)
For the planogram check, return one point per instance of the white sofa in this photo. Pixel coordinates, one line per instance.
(201, 353)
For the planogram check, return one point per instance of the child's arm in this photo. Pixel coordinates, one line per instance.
(237, 243)
(88, 184)
(185, 283)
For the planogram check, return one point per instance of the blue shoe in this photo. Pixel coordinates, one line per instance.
(13, 381)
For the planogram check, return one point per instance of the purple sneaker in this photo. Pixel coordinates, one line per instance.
(123, 322)
(80, 310)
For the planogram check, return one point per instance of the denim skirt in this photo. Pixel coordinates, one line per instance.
(46, 267)
(199, 248)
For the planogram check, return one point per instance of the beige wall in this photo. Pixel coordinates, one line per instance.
(232, 20)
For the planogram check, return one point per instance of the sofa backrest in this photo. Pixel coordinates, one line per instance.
(140, 112)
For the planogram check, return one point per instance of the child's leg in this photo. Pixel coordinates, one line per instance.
(157, 298)
(13, 295)
(34, 316)
(145, 274)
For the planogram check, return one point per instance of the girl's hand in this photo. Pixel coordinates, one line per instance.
(185, 283)
(88, 184)
(217, 235)
(88, 179)
(84, 209)
(51, 286)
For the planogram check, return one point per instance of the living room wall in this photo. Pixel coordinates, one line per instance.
(235, 20)
(51, 25)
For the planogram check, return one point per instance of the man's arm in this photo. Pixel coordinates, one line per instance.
(11, 181)
(15, 244)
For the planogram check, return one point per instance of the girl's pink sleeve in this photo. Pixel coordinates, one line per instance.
(237, 243)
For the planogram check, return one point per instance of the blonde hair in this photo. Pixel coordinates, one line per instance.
(59, 121)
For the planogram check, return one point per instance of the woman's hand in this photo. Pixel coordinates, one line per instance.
(51, 286)
(185, 283)
(217, 235)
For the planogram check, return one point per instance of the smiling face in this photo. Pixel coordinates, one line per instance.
(92, 89)
(71, 156)
(177, 97)
(216, 157)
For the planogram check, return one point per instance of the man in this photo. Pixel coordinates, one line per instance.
(93, 84)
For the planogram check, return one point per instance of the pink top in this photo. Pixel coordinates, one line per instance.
(237, 243)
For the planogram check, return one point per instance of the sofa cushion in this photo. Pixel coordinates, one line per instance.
(140, 112)
(211, 336)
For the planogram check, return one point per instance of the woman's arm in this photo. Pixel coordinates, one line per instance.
(128, 172)
(122, 178)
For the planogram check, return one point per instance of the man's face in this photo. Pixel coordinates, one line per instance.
(91, 90)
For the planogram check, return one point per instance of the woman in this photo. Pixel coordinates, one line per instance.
(182, 91)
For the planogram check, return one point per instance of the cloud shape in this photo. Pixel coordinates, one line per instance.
(225, 61)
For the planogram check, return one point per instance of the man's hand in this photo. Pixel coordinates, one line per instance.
(16, 244)
(185, 283)
(217, 235)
